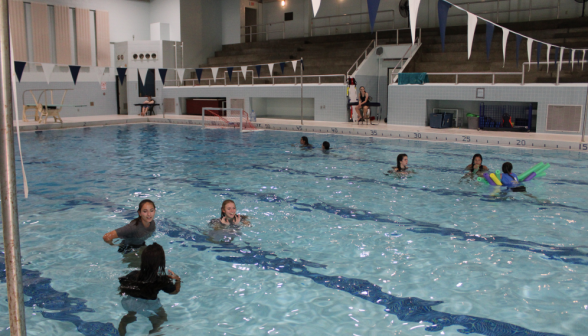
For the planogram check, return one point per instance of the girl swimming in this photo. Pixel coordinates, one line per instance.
(401, 164)
(508, 178)
(135, 233)
(476, 167)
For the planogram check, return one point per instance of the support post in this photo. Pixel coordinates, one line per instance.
(301, 92)
(12, 257)
(584, 121)
(241, 120)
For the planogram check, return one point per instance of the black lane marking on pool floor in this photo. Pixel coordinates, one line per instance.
(409, 309)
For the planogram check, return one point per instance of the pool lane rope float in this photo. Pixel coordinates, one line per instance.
(538, 170)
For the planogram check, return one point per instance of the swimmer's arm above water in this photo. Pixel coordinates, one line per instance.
(178, 283)
(110, 236)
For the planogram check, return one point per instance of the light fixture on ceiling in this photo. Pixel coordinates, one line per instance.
(283, 3)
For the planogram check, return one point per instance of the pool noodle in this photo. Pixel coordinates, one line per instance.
(488, 179)
(495, 179)
(482, 180)
(530, 177)
(532, 170)
(543, 169)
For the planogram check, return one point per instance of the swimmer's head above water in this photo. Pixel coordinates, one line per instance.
(146, 212)
(401, 162)
(152, 263)
(228, 209)
(326, 145)
(476, 161)
(304, 141)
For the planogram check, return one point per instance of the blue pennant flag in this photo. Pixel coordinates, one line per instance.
(489, 34)
(122, 72)
(571, 53)
(373, 11)
(443, 9)
(557, 51)
(230, 71)
(539, 44)
(19, 68)
(162, 73)
(519, 40)
(258, 69)
(578, 53)
(283, 66)
(199, 74)
(75, 71)
(302, 64)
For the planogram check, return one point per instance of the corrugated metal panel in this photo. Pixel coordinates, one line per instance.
(62, 35)
(102, 39)
(83, 36)
(564, 118)
(18, 30)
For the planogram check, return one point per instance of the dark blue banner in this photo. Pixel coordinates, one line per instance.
(230, 71)
(199, 74)
(489, 35)
(75, 71)
(282, 66)
(519, 40)
(373, 11)
(19, 68)
(122, 72)
(557, 51)
(162, 73)
(443, 9)
(539, 44)
(258, 69)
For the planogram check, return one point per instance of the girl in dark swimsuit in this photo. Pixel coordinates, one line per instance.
(361, 104)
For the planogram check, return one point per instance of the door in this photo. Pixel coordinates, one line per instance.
(250, 24)
(121, 97)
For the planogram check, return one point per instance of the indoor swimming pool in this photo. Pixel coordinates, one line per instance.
(337, 246)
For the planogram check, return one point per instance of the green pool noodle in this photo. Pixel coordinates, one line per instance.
(542, 170)
(530, 171)
(483, 180)
(497, 173)
(541, 175)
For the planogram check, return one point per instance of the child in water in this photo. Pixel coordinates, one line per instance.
(225, 228)
(510, 179)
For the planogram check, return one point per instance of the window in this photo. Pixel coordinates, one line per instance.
(289, 16)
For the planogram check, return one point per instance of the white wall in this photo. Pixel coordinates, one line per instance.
(274, 12)
(167, 11)
(231, 21)
(201, 23)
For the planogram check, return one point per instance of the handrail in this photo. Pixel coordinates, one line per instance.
(397, 33)
(273, 78)
(364, 54)
(348, 24)
(266, 32)
(402, 59)
(498, 11)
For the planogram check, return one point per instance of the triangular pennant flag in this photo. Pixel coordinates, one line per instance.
(19, 68)
(180, 73)
(583, 55)
(302, 64)
(75, 71)
(315, 6)
(199, 74)
(214, 73)
(258, 69)
(412, 13)
(529, 51)
(143, 74)
(539, 45)
(443, 10)
(504, 40)
(282, 66)
(271, 68)
(122, 72)
(162, 74)
(489, 35)
(244, 71)
(557, 50)
(561, 53)
(519, 39)
(294, 63)
(48, 70)
(373, 11)
(99, 71)
(472, 21)
(230, 71)
(572, 54)
(548, 49)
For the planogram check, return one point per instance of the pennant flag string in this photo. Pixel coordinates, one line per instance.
(258, 69)
(271, 69)
(489, 34)
(122, 72)
(548, 52)
(143, 74)
(282, 66)
(19, 68)
(199, 74)
(412, 13)
(47, 70)
(504, 40)
(244, 71)
(230, 71)
(539, 45)
(530, 51)
(294, 65)
(99, 73)
(315, 6)
(443, 10)
(214, 73)
(472, 21)
(373, 12)
(162, 73)
(519, 39)
(583, 55)
(75, 71)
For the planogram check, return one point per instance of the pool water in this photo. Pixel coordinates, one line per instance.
(337, 247)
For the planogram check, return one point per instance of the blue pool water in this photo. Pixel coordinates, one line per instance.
(336, 248)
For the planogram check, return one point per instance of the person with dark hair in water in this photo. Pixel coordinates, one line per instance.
(137, 231)
(304, 143)
(140, 289)
(476, 168)
(326, 146)
(228, 226)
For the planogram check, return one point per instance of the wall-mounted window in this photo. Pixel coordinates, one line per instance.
(289, 16)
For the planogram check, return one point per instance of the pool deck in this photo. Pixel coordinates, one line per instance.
(423, 133)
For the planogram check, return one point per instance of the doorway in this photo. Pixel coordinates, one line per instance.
(250, 25)
(121, 97)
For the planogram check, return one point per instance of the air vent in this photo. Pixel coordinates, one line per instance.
(564, 118)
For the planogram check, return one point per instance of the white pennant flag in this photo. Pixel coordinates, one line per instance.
(472, 21)
(414, 11)
(583, 54)
(214, 73)
(561, 52)
(548, 50)
(143, 74)
(573, 54)
(504, 38)
(271, 69)
(244, 71)
(181, 75)
(48, 70)
(529, 52)
(294, 63)
(99, 71)
(315, 6)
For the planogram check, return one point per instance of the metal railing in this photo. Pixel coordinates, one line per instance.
(401, 61)
(362, 57)
(397, 33)
(251, 32)
(498, 11)
(211, 82)
(349, 24)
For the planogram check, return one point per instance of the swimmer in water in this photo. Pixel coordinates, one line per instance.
(401, 165)
(135, 233)
(304, 143)
(326, 146)
(476, 167)
(140, 289)
(225, 228)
